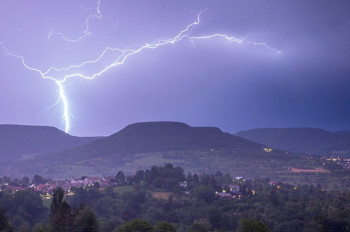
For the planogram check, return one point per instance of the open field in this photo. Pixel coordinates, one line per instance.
(161, 195)
(123, 189)
(316, 170)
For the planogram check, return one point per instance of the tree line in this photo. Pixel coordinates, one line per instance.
(193, 207)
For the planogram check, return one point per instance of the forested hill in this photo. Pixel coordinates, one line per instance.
(17, 141)
(158, 137)
(168, 136)
(306, 140)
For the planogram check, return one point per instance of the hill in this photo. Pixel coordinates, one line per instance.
(305, 140)
(159, 137)
(141, 145)
(197, 149)
(21, 142)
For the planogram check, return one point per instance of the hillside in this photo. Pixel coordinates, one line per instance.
(142, 145)
(17, 141)
(158, 137)
(305, 140)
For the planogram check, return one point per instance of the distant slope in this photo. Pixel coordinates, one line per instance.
(157, 137)
(17, 141)
(306, 140)
(141, 145)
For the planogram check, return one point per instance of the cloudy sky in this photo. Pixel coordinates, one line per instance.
(206, 82)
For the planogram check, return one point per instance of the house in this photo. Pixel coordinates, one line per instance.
(94, 179)
(272, 183)
(107, 183)
(224, 195)
(234, 187)
(183, 184)
(91, 180)
(77, 181)
(236, 194)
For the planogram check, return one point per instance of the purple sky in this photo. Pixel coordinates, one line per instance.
(211, 82)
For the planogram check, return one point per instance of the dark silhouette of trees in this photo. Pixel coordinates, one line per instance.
(97, 184)
(251, 225)
(4, 224)
(258, 206)
(38, 180)
(197, 227)
(140, 176)
(135, 225)
(163, 226)
(86, 221)
(64, 218)
(59, 212)
(205, 193)
(120, 178)
(166, 177)
(25, 181)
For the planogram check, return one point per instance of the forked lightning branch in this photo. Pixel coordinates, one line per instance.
(60, 75)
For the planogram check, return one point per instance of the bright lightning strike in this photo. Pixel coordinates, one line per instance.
(123, 55)
(236, 40)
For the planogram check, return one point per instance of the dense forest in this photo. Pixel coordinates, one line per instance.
(166, 199)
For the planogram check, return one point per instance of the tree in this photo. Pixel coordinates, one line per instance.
(38, 179)
(252, 225)
(166, 177)
(59, 211)
(273, 197)
(25, 181)
(86, 221)
(120, 177)
(219, 174)
(169, 166)
(4, 224)
(27, 205)
(97, 184)
(41, 228)
(140, 175)
(195, 178)
(6, 179)
(136, 225)
(205, 193)
(163, 226)
(189, 178)
(196, 227)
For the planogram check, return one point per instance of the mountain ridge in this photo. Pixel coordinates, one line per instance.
(302, 139)
(17, 141)
(160, 136)
(142, 145)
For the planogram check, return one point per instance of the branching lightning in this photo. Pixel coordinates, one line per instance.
(86, 32)
(55, 74)
(236, 40)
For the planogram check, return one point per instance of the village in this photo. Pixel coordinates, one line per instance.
(47, 187)
(228, 190)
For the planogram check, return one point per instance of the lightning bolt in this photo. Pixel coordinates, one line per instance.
(55, 74)
(86, 32)
(236, 40)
